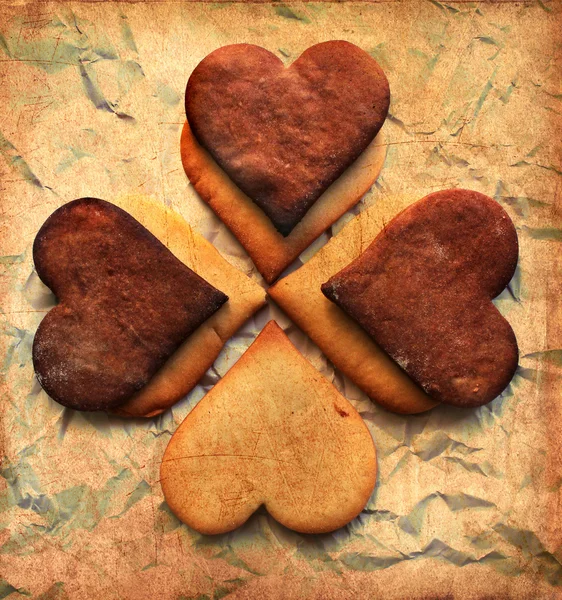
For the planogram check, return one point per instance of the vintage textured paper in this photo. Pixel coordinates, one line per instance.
(468, 503)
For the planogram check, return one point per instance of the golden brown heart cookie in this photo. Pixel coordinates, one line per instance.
(126, 303)
(424, 288)
(284, 135)
(271, 432)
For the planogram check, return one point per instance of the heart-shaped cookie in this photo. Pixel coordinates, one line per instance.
(283, 135)
(271, 432)
(424, 288)
(126, 303)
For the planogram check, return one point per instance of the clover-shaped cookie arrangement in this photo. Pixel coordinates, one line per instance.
(403, 308)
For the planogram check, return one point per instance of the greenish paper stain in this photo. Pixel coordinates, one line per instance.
(91, 88)
(437, 4)
(127, 34)
(228, 555)
(491, 42)
(428, 63)
(4, 46)
(525, 163)
(19, 350)
(16, 162)
(509, 90)
(542, 560)
(553, 356)
(502, 28)
(57, 47)
(168, 95)
(55, 592)
(79, 507)
(365, 562)
(6, 589)
(166, 521)
(484, 94)
(485, 468)
(440, 443)
(94, 93)
(382, 56)
(12, 259)
(75, 155)
(543, 233)
(222, 592)
(142, 490)
(288, 13)
(544, 7)
(130, 72)
(76, 43)
(440, 154)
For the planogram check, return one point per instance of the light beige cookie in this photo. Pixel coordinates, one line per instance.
(272, 432)
(189, 363)
(342, 340)
(270, 251)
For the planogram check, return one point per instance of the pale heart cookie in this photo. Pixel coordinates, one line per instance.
(271, 432)
(270, 251)
(285, 134)
(346, 344)
(424, 289)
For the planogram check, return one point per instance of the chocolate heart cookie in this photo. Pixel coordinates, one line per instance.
(126, 304)
(424, 288)
(283, 135)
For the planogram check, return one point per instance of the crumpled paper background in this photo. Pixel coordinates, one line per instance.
(467, 503)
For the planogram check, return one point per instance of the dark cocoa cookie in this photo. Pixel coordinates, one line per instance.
(424, 288)
(283, 135)
(126, 303)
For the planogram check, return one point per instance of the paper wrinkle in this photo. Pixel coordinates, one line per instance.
(446, 490)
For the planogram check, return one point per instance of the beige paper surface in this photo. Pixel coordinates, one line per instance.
(467, 503)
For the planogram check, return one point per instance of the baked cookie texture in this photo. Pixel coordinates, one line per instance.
(271, 432)
(283, 135)
(423, 290)
(270, 251)
(126, 303)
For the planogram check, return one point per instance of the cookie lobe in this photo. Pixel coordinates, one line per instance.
(423, 290)
(125, 304)
(283, 135)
